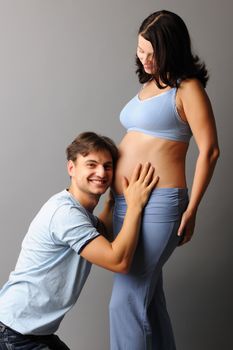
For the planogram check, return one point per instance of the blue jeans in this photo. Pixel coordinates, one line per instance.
(12, 340)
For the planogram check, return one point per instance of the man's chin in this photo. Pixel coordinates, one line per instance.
(100, 191)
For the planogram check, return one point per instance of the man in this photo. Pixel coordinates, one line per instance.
(62, 242)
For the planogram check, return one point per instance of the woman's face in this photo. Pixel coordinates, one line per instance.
(145, 54)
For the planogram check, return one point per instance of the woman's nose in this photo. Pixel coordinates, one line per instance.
(145, 59)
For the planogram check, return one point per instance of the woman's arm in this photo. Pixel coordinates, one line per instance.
(198, 112)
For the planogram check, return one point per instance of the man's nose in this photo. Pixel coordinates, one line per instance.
(100, 171)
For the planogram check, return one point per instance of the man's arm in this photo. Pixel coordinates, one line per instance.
(105, 218)
(117, 255)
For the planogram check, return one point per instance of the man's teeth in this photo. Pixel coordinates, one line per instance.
(98, 181)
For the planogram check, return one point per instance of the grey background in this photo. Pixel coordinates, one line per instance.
(68, 66)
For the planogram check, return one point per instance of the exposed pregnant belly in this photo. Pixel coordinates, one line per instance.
(167, 157)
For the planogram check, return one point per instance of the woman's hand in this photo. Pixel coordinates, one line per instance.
(137, 190)
(186, 227)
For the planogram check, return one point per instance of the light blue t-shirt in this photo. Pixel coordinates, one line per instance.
(50, 273)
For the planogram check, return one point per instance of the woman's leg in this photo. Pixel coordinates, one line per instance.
(162, 333)
(137, 321)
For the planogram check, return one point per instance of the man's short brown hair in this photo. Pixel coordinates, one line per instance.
(88, 142)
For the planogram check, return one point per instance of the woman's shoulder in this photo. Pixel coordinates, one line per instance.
(192, 95)
(191, 89)
(191, 84)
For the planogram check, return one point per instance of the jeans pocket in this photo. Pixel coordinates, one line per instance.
(11, 340)
(21, 342)
(5, 345)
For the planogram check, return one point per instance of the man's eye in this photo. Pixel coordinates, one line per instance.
(108, 167)
(90, 165)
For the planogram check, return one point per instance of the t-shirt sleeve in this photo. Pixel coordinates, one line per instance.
(71, 226)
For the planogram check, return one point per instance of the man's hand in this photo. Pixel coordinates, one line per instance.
(105, 218)
(138, 189)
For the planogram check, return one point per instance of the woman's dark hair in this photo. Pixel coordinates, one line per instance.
(173, 55)
(88, 142)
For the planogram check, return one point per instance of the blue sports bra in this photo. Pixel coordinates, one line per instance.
(156, 116)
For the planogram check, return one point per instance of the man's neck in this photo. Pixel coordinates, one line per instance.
(88, 201)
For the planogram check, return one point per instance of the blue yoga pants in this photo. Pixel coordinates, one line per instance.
(138, 315)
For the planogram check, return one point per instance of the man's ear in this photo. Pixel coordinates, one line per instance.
(70, 167)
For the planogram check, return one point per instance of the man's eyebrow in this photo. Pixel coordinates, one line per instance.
(95, 161)
(91, 160)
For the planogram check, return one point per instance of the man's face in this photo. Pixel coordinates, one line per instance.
(92, 174)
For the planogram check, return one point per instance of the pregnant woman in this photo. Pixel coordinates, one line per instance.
(160, 120)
